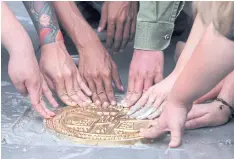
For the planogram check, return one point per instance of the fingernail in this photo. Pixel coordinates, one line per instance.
(89, 101)
(97, 102)
(113, 102)
(105, 104)
(139, 117)
(89, 93)
(99, 29)
(73, 103)
(122, 88)
(124, 104)
(130, 112)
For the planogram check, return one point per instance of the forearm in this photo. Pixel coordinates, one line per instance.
(74, 23)
(44, 18)
(196, 33)
(14, 37)
(212, 60)
(155, 24)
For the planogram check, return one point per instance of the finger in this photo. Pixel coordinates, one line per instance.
(49, 82)
(158, 101)
(138, 90)
(148, 82)
(69, 84)
(131, 80)
(101, 92)
(151, 99)
(202, 121)
(126, 33)
(86, 100)
(158, 77)
(196, 112)
(62, 93)
(154, 131)
(109, 90)
(48, 94)
(48, 112)
(20, 86)
(38, 108)
(116, 77)
(35, 95)
(103, 21)
(211, 94)
(144, 112)
(110, 33)
(118, 36)
(92, 87)
(176, 135)
(133, 28)
(82, 85)
(139, 104)
(156, 113)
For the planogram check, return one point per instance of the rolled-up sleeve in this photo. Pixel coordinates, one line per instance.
(155, 24)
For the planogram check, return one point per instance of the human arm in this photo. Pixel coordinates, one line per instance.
(214, 55)
(95, 64)
(60, 73)
(211, 61)
(23, 68)
(158, 93)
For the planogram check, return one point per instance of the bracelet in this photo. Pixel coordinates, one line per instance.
(226, 104)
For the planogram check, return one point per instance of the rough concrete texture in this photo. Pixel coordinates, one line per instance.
(23, 134)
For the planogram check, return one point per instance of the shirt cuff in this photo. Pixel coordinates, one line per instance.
(153, 36)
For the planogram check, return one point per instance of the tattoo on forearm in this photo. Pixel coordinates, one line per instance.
(44, 18)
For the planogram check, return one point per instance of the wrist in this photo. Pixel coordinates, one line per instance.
(53, 47)
(22, 48)
(83, 35)
(179, 102)
(93, 46)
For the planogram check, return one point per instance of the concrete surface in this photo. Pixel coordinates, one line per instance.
(23, 134)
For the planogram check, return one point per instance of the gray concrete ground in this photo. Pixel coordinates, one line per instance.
(23, 134)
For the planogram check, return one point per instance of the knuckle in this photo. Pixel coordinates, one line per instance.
(114, 66)
(35, 82)
(59, 78)
(121, 20)
(106, 73)
(68, 74)
(109, 34)
(130, 18)
(111, 20)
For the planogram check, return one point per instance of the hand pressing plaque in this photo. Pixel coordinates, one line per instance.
(96, 126)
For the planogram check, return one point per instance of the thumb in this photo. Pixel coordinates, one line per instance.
(176, 135)
(103, 20)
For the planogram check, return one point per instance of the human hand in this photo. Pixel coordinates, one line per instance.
(120, 19)
(146, 68)
(150, 104)
(207, 115)
(25, 74)
(98, 70)
(61, 74)
(172, 119)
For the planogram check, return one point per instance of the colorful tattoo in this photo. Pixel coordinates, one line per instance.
(44, 18)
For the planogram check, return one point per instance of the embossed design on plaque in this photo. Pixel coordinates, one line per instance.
(96, 126)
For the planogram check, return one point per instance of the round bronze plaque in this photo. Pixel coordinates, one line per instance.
(96, 126)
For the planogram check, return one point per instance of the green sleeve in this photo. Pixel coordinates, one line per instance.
(155, 24)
